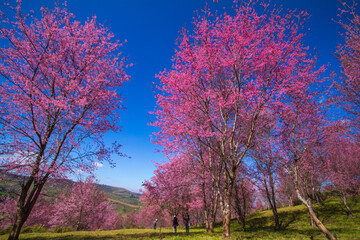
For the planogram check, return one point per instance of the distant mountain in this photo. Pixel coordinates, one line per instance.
(123, 199)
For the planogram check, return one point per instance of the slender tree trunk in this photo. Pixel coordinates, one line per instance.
(312, 221)
(243, 224)
(213, 213)
(274, 210)
(245, 211)
(79, 222)
(227, 204)
(347, 206)
(312, 213)
(211, 227)
(291, 202)
(319, 224)
(207, 224)
(240, 207)
(272, 201)
(206, 216)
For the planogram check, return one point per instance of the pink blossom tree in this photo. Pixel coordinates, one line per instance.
(206, 172)
(84, 207)
(225, 76)
(7, 207)
(349, 57)
(148, 213)
(169, 188)
(129, 220)
(341, 163)
(41, 215)
(57, 97)
(302, 140)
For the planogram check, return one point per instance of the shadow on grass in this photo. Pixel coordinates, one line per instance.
(287, 218)
(266, 222)
(119, 236)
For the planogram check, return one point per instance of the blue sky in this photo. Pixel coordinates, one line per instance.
(151, 28)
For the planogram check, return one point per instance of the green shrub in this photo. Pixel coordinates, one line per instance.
(38, 229)
(57, 229)
(67, 229)
(8, 228)
(26, 229)
(60, 229)
(2, 231)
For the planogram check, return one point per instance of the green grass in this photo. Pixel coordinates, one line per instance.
(295, 225)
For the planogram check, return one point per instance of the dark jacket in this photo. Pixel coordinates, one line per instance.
(175, 222)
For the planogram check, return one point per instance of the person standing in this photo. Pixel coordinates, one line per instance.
(175, 224)
(187, 223)
(155, 222)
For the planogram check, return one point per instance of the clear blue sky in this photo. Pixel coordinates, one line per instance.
(151, 28)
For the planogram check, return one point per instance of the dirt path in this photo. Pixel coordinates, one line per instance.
(126, 204)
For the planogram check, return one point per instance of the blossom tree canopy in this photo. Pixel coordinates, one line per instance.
(227, 76)
(58, 96)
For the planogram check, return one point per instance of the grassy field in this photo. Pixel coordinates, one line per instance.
(294, 220)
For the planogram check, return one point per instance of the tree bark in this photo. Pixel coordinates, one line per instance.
(240, 207)
(25, 204)
(15, 231)
(272, 201)
(227, 206)
(319, 224)
(312, 221)
(291, 201)
(312, 213)
(347, 206)
(205, 204)
(226, 215)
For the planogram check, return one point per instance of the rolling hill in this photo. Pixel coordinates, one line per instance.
(123, 199)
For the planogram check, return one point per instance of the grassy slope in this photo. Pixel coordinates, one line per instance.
(295, 222)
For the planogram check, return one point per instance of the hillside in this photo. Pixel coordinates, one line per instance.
(123, 199)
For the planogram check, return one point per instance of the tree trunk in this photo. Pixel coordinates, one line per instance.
(213, 213)
(205, 205)
(272, 201)
(276, 218)
(227, 210)
(239, 206)
(226, 218)
(16, 228)
(312, 221)
(241, 220)
(291, 202)
(274, 207)
(211, 227)
(308, 204)
(347, 206)
(314, 218)
(319, 224)
(25, 204)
